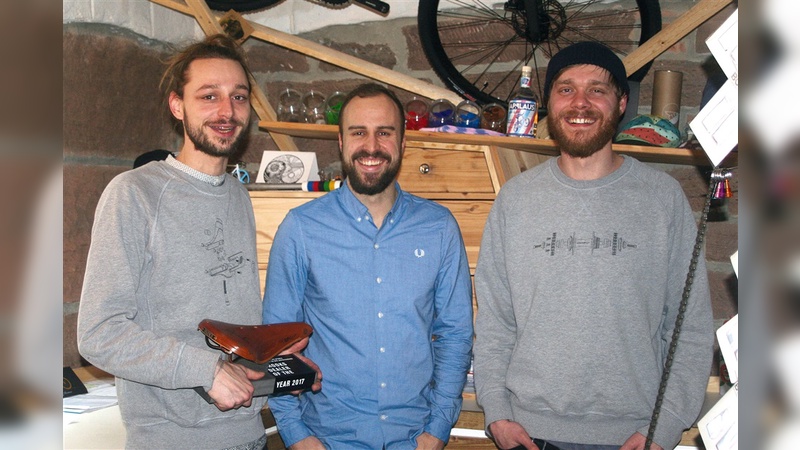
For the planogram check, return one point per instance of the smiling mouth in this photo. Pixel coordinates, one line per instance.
(581, 120)
(223, 129)
(370, 162)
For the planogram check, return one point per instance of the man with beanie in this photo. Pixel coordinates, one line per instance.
(579, 280)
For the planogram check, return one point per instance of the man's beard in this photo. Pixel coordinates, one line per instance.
(583, 145)
(371, 183)
(205, 144)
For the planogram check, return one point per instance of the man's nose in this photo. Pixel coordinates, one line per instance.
(580, 99)
(225, 108)
(372, 141)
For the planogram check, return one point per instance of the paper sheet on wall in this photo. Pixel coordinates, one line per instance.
(728, 338)
(719, 428)
(717, 125)
(724, 45)
(288, 168)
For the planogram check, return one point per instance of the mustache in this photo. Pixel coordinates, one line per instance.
(588, 114)
(229, 122)
(376, 154)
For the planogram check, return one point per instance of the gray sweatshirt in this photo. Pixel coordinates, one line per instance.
(578, 285)
(167, 251)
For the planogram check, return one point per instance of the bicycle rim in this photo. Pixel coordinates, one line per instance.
(477, 48)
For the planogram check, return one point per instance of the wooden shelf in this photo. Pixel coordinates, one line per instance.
(539, 146)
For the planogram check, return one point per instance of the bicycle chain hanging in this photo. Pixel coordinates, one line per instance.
(718, 188)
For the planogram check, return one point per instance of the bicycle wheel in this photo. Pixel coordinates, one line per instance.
(478, 48)
(240, 5)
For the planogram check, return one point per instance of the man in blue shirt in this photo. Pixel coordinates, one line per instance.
(382, 277)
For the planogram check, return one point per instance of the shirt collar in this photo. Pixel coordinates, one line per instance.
(358, 211)
(214, 180)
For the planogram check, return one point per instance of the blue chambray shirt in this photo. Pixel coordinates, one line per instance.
(392, 316)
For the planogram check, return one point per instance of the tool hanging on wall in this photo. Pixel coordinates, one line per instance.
(721, 184)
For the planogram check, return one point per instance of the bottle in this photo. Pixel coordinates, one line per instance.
(523, 109)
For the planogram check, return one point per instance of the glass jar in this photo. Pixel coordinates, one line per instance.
(468, 114)
(441, 112)
(333, 107)
(314, 107)
(290, 106)
(493, 117)
(416, 114)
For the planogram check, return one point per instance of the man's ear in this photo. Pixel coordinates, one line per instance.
(176, 106)
(623, 104)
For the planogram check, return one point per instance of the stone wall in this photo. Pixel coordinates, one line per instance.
(112, 113)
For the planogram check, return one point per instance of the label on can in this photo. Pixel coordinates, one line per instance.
(522, 117)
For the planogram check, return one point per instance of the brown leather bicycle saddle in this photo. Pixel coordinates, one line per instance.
(257, 343)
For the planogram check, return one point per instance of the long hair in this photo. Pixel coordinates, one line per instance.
(218, 46)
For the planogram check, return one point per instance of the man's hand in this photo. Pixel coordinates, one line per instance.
(295, 349)
(508, 434)
(637, 441)
(309, 443)
(231, 387)
(427, 441)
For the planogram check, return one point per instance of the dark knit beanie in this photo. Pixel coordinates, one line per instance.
(593, 53)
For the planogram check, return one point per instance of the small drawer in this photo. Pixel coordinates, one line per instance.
(445, 171)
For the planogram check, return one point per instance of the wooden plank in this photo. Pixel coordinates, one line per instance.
(353, 64)
(205, 18)
(545, 147)
(673, 33)
(331, 56)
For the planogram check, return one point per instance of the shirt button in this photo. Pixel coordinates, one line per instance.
(380, 315)
(383, 349)
(358, 219)
(383, 385)
(376, 246)
(379, 280)
(384, 417)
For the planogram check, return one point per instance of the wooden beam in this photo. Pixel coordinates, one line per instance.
(209, 23)
(205, 18)
(337, 58)
(353, 64)
(672, 33)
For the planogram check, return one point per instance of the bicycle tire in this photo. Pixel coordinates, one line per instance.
(254, 5)
(488, 70)
(240, 5)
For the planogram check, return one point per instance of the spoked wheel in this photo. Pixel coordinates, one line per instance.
(478, 47)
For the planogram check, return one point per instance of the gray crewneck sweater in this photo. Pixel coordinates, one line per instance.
(578, 286)
(167, 251)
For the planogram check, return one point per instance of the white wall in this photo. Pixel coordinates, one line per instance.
(159, 22)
